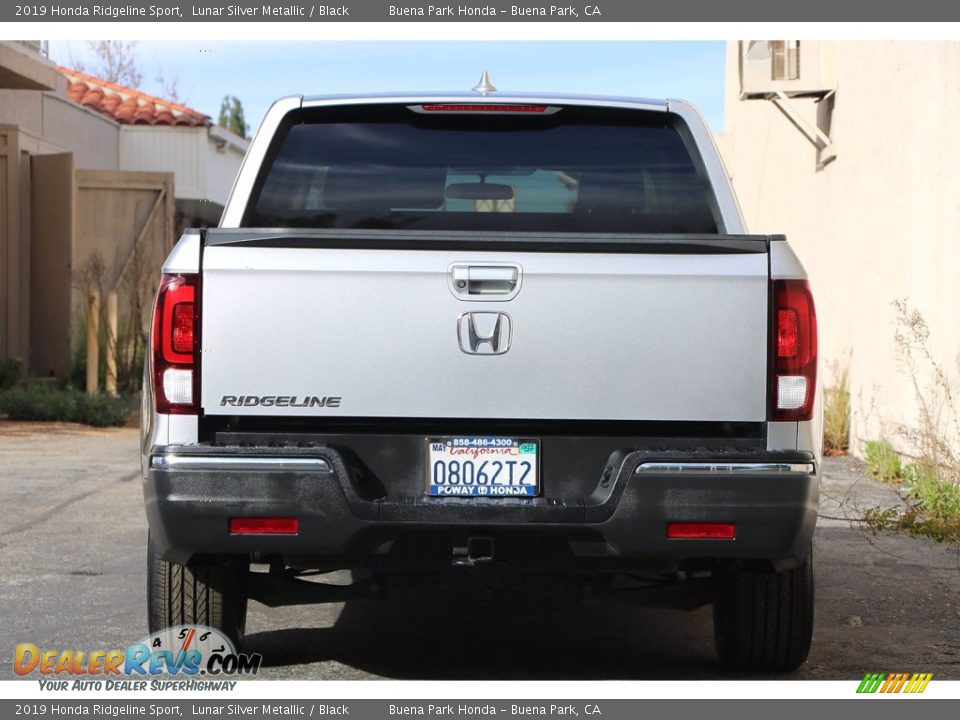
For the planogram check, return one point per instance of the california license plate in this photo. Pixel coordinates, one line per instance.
(494, 467)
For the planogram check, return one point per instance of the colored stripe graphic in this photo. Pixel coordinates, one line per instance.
(894, 682)
(919, 682)
(898, 683)
(871, 682)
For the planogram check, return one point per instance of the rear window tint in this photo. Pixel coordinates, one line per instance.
(576, 171)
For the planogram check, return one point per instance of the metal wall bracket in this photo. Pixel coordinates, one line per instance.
(818, 138)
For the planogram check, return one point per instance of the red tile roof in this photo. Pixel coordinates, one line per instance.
(126, 105)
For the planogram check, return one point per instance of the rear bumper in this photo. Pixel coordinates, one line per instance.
(192, 492)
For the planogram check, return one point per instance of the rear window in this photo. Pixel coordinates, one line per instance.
(576, 170)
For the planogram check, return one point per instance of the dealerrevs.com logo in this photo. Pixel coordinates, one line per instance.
(184, 650)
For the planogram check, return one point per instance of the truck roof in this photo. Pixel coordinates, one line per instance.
(493, 97)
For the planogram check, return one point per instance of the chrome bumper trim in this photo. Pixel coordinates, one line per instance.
(724, 468)
(199, 462)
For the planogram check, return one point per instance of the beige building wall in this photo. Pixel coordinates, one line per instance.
(180, 150)
(204, 159)
(49, 123)
(878, 224)
(35, 217)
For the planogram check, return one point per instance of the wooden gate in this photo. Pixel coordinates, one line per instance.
(121, 228)
(126, 217)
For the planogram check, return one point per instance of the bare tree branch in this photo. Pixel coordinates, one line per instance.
(118, 62)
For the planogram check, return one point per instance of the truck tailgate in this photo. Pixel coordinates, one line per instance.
(350, 332)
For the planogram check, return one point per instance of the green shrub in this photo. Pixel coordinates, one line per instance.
(78, 366)
(916, 522)
(931, 483)
(878, 519)
(104, 410)
(36, 402)
(836, 415)
(129, 369)
(934, 510)
(938, 498)
(10, 372)
(883, 461)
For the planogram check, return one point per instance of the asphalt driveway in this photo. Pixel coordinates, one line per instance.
(72, 576)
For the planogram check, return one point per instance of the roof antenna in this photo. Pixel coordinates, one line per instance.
(484, 86)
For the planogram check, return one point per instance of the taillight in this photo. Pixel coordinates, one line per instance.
(794, 350)
(176, 345)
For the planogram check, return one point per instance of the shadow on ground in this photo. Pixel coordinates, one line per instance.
(440, 637)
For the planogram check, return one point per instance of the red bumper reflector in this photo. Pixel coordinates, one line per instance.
(701, 531)
(264, 526)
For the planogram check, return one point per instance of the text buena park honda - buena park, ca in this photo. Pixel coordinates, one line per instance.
(451, 710)
(568, 11)
(156, 11)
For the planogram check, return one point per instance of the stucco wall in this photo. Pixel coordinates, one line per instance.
(50, 123)
(879, 223)
(92, 138)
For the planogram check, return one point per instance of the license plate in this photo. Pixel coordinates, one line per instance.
(494, 467)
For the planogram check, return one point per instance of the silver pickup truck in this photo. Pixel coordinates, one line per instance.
(485, 337)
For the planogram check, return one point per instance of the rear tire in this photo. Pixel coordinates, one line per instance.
(201, 594)
(763, 622)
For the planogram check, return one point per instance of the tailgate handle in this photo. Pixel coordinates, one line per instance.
(477, 281)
